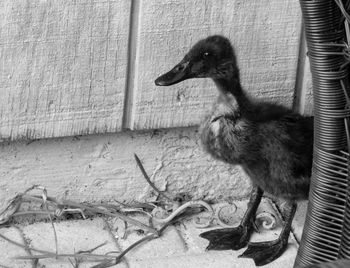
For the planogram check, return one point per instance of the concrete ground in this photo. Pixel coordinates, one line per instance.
(179, 246)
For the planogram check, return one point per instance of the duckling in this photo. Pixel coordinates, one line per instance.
(270, 142)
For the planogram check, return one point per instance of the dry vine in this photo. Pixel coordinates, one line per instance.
(54, 209)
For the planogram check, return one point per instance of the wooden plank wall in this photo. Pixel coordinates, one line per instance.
(266, 36)
(62, 67)
(82, 67)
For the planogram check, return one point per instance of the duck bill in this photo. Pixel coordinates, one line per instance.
(180, 72)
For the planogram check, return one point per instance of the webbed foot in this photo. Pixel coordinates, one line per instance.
(265, 252)
(227, 238)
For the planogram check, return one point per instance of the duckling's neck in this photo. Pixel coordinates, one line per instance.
(232, 86)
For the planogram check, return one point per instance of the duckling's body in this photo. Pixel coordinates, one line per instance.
(271, 143)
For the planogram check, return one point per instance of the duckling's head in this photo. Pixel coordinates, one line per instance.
(212, 57)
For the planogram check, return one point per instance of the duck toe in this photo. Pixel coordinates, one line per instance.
(265, 252)
(227, 238)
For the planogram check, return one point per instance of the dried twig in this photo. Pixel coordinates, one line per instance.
(35, 262)
(52, 207)
(85, 256)
(10, 209)
(44, 196)
(94, 210)
(137, 204)
(113, 214)
(115, 239)
(30, 212)
(23, 246)
(54, 233)
(180, 209)
(92, 249)
(47, 254)
(78, 261)
(144, 173)
(75, 265)
(109, 263)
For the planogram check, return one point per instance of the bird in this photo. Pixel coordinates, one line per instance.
(272, 143)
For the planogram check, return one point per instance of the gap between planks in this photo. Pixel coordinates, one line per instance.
(132, 67)
(300, 87)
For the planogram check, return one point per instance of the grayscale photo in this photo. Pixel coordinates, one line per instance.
(174, 133)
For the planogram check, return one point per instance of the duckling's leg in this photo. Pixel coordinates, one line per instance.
(236, 238)
(265, 252)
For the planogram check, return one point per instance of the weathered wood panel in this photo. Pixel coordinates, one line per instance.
(303, 86)
(266, 36)
(307, 101)
(62, 67)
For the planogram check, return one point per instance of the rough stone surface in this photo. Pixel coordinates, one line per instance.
(102, 168)
(169, 244)
(72, 236)
(9, 251)
(179, 246)
(210, 259)
(196, 244)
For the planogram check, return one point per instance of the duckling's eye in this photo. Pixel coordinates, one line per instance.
(206, 55)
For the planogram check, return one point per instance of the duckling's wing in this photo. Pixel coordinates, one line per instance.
(286, 146)
(299, 142)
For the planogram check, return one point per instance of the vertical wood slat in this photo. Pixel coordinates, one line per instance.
(303, 101)
(307, 105)
(62, 67)
(266, 36)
